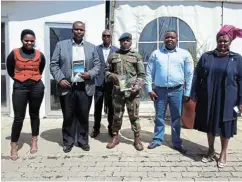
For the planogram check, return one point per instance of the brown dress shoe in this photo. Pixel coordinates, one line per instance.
(113, 142)
(137, 143)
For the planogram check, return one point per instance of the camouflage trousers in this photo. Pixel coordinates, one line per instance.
(132, 104)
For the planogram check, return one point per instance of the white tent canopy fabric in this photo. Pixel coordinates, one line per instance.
(203, 19)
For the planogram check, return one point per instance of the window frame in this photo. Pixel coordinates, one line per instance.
(48, 76)
(161, 41)
(157, 33)
(6, 109)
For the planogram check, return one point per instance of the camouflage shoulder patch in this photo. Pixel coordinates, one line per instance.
(135, 54)
(115, 57)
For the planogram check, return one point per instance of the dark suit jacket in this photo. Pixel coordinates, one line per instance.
(61, 65)
(203, 84)
(100, 78)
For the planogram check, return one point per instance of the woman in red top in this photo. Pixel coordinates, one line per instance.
(25, 66)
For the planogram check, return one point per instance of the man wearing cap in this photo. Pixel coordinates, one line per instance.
(126, 70)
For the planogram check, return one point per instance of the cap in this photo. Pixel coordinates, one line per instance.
(125, 36)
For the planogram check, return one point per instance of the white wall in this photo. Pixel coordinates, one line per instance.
(204, 18)
(34, 15)
(232, 16)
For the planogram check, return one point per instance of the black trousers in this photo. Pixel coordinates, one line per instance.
(31, 92)
(75, 109)
(103, 92)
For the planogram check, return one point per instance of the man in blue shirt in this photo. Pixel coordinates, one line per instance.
(168, 81)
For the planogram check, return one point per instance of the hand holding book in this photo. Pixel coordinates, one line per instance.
(123, 83)
(134, 88)
(85, 75)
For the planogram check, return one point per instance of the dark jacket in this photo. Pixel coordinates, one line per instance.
(202, 89)
(61, 65)
(99, 80)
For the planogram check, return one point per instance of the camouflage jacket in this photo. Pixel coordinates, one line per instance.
(130, 65)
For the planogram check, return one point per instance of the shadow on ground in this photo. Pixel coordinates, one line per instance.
(194, 150)
(24, 138)
(55, 135)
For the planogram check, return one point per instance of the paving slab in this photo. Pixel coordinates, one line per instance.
(123, 163)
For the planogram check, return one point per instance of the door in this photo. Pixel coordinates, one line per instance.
(54, 32)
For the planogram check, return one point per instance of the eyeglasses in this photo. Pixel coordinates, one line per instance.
(106, 35)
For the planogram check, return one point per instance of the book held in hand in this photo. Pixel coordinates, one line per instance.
(124, 86)
(78, 68)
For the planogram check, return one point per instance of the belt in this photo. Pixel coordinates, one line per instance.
(171, 88)
(78, 85)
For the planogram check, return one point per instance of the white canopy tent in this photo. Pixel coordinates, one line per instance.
(195, 21)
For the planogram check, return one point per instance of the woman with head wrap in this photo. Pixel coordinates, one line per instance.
(216, 89)
(25, 66)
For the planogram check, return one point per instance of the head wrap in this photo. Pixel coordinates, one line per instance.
(25, 32)
(231, 31)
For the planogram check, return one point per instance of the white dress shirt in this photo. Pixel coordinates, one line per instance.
(77, 54)
(106, 51)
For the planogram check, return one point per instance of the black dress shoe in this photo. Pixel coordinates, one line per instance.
(95, 133)
(85, 147)
(181, 149)
(67, 148)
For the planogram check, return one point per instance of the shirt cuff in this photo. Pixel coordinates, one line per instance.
(149, 88)
(187, 93)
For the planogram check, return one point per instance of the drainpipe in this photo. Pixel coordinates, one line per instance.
(111, 22)
(107, 14)
(222, 14)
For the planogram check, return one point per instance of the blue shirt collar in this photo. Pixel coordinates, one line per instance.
(166, 50)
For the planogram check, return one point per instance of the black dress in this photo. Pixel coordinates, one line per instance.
(215, 125)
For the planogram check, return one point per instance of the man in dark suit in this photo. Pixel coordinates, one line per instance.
(75, 65)
(103, 89)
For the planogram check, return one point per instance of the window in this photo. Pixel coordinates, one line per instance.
(152, 36)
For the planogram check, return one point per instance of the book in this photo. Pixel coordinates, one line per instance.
(124, 86)
(78, 68)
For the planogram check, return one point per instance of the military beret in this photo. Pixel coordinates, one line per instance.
(125, 36)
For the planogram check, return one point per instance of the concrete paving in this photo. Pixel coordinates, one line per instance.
(122, 163)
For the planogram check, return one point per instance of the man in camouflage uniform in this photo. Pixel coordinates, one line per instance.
(126, 65)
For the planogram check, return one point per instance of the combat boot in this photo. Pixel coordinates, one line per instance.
(137, 143)
(113, 142)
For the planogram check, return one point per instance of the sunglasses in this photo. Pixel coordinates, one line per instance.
(106, 35)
